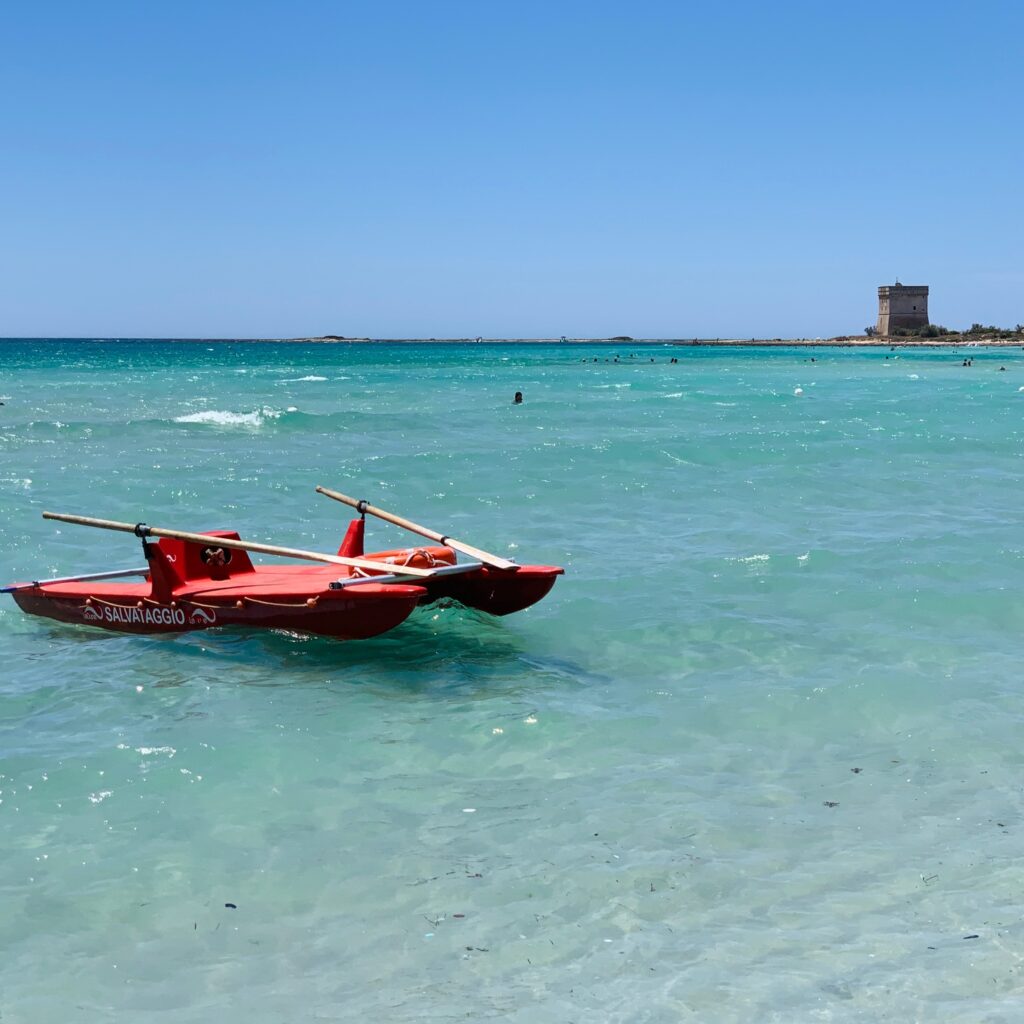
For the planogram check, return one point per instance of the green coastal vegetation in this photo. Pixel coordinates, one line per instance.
(973, 333)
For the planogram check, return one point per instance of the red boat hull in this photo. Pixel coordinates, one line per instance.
(495, 591)
(193, 586)
(344, 615)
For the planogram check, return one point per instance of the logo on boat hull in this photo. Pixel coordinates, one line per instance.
(130, 615)
(201, 617)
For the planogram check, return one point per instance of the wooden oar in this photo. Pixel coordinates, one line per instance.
(142, 530)
(407, 524)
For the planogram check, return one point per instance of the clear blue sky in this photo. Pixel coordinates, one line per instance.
(401, 169)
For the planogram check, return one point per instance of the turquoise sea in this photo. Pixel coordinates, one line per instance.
(757, 758)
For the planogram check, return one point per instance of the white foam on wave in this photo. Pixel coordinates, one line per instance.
(750, 559)
(675, 458)
(299, 380)
(223, 418)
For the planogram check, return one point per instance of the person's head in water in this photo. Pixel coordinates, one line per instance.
(518, 400)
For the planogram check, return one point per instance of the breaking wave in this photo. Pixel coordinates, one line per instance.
(221, 418)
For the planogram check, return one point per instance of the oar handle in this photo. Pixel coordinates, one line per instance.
(142, 530)
(103, 524)
(365, 508)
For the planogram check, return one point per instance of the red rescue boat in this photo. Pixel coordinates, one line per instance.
(200, 580)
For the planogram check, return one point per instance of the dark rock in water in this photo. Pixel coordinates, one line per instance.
(231, 906)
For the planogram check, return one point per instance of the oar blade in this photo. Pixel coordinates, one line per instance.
(495, 561)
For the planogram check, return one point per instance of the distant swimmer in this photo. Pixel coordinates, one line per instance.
(1002, 369)
(518, 400)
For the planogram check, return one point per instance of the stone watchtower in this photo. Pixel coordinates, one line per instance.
(902, 305)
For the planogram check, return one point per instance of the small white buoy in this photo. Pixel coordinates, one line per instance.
(798, 391)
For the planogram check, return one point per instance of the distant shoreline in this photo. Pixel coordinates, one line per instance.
(956, 341)
(849, 341)
(946, 341)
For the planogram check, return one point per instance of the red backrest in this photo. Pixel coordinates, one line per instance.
(190, 561)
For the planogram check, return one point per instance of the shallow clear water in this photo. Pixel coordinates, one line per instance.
(757, 757)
